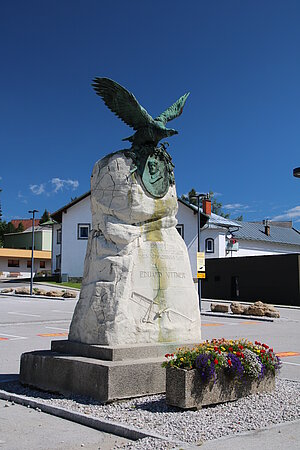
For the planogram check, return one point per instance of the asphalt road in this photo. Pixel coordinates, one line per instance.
(28, 429)
(31, 324)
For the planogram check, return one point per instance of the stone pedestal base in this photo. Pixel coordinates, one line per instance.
(104, 373)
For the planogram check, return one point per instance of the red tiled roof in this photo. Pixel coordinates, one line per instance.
(27, 223)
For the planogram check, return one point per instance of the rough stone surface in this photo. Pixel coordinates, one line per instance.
(69, 294)
(137, 285)
(22, 291)
(217, 307)
(185, 389)
(262, 309)
(7, 290)
(237, 308)
(54, 294)
(38, 291)
(256, 309)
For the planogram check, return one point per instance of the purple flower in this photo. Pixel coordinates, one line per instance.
(236, 368)
(206, 366)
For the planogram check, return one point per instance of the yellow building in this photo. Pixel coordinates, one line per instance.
(17, 263)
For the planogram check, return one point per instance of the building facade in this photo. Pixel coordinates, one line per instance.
(17, 262)
(220, 238)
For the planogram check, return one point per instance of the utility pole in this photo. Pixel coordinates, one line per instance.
(32, 249)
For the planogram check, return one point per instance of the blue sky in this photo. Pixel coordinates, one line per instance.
(239, 135)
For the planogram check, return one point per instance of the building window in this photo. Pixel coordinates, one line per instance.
(13, 263)
(58, 236)
(83, 230)
(209, 245)
(58, 262)
(42, 264)
(180, 229)
(29, 263)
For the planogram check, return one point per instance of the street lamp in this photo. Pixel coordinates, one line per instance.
(32, 248)
(198, 197)
(296, 172)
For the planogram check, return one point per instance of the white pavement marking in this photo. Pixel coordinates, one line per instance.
(56, 328)
(62, 312)
(13, 336)
(292, 364)
(24, 314)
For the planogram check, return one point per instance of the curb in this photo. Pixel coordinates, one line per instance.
(107, 426)
(41, 283)
(237, 316)
(42, 297)
(216, 300)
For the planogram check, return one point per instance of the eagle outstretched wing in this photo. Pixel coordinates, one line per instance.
(122, 102)
(173, 111)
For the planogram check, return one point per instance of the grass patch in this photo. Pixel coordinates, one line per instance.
(66, 284)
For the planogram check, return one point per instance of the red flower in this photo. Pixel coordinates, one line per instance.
(265, 345)
(263, 351)
(229, 362)
(215, 348)
(220, 352)
(230, 349)
(241, 347)
(216, 361)
(238, 353)
(271, 349)
(242, 355)
(167, 355)
(172, 355)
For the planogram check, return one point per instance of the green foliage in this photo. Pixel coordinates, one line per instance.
(216, 207)
(10, 228)
(20, 228)
(3, 226)
(240, 218)
(254, 360)
(45, 217)
(66, 284)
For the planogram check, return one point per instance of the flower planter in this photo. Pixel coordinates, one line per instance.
(185, 389)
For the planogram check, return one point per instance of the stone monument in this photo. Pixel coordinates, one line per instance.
(138, 299)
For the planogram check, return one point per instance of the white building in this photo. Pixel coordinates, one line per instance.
(221, 238)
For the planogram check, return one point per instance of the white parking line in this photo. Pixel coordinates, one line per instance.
(13, 336)
(292, 364)
(56, 328)
(24, 314)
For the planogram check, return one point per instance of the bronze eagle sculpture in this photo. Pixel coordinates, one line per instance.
(148, 131)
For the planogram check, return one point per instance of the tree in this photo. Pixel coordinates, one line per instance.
(10, 228)
(216, 207)
(45, 217)
(20, 228)
(0, 209)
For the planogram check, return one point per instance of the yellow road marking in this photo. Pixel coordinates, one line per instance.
(211, 324)
(52, 334)
(250, 322)
(284, 354)
(3, 339)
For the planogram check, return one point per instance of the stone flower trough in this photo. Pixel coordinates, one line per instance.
(185, 388)
(219, 371)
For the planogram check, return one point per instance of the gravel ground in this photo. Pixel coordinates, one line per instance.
(151, 413)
